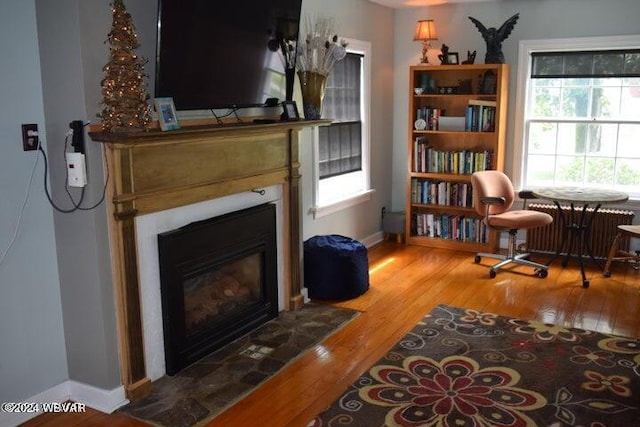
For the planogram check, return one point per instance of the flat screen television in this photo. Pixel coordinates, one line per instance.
(216, 54)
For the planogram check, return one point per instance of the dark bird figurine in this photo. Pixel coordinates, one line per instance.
(494, 38)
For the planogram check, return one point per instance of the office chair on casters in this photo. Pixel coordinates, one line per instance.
(493, 196)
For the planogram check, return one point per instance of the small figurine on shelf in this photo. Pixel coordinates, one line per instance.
(471, 57)
(444, 54)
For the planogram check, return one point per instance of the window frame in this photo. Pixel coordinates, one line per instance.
(525, 49)
(320, 209)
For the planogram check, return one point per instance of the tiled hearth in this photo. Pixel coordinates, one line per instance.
(218, 380)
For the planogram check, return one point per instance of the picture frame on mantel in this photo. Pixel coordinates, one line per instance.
(166, 111)
(290, 111)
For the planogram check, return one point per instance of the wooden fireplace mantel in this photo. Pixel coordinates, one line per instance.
(151, 171)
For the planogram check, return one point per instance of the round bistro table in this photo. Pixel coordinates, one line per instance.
(577, 222)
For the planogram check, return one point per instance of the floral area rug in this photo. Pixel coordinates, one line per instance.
(461, 368)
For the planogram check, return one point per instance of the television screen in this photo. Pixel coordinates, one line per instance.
(213, 54)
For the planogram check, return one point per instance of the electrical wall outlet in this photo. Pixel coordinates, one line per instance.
(30, 137)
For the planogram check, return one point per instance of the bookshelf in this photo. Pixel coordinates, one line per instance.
(457, 125)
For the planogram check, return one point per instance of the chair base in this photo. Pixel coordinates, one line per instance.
(618, 255)
(512, 257)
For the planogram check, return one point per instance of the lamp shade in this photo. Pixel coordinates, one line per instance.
(425, 30)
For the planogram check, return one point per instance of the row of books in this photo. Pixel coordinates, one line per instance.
(480, 116)
(428, 159)
(431, 116)
(451, 227)
(428, 192)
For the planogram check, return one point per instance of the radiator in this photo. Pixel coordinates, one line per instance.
(548, 238)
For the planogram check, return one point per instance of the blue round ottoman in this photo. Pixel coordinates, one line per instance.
(335, 267)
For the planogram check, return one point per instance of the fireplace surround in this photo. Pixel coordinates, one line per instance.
(153, 171)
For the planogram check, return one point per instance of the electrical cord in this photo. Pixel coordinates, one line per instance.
(231, 111)
(238, 118)
(76, 205)
(219, 118)
(22, 208)
(66, 180)
(46, 187)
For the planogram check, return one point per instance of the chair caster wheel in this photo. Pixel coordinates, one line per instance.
(541, 273)
(607, 274)
(492, 273)
(585, 284)
(477, 259)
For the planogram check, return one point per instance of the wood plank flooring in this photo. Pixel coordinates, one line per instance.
(406, 283)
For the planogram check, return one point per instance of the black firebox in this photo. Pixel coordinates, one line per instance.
(218, 280)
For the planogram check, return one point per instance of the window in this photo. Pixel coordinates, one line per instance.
(340, 144)
(341, 150)
(579, 119)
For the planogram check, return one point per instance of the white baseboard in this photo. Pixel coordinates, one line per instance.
(373, 239)
(59, 393)
(105, 401)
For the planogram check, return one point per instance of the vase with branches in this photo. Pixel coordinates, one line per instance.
(316, 54)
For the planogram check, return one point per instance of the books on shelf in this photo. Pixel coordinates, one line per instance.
(430, 115)
(428, 159)
(445, 193)
(480, 115)
(449, 227)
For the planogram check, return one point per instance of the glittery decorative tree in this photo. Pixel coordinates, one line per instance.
(124, 90)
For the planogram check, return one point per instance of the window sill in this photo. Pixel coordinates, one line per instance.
(333, 207)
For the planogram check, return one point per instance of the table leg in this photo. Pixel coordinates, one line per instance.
(588, 234)
(565, 236)
(579, 229)
(576, 237)
(571, 232)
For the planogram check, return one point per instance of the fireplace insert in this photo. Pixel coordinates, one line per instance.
(218, 280)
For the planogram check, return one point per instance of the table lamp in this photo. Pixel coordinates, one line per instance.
(425, 32)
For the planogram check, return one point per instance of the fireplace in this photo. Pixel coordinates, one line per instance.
(218, 280)
(156, 171)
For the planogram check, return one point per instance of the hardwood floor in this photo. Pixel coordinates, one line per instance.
(406, 283)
